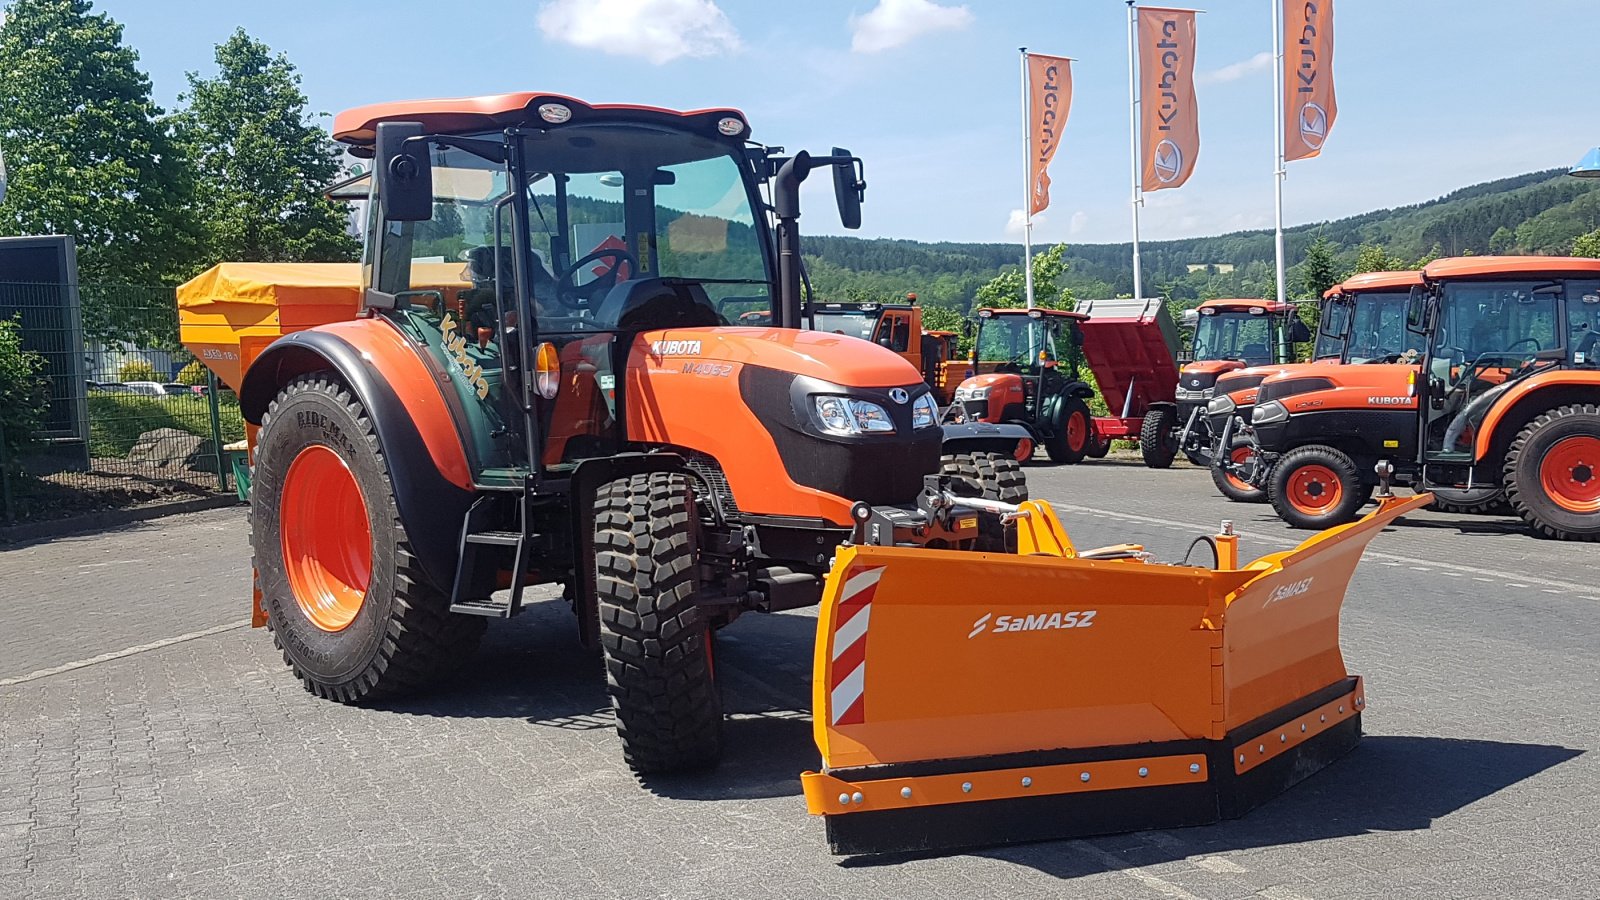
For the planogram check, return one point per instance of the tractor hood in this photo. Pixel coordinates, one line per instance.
(835, 358)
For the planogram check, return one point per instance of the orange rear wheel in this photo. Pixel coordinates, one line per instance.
(1570, 473)
(326, 538)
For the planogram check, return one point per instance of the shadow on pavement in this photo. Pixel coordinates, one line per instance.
(1388, 783)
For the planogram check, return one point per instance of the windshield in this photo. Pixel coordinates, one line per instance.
(855, 324)
(1234, 335)
(1497, 323)
(1018, 339)
(1377, 328)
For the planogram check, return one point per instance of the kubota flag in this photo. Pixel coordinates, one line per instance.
(1170, 131)
(1309, 106)
(1050, 93)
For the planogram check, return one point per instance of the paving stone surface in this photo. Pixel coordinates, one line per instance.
(200, 768)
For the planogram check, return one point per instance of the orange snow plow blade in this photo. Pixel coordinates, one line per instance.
(970, 699)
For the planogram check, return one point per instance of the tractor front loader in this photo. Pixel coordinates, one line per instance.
(1078, 692)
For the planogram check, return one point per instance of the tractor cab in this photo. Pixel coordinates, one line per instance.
(1364, 320)
(1490, 326)
(897, 326)
(1233, 334)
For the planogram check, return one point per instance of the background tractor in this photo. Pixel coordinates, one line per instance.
(1506, 402)
(1033, 357)
(563, 401)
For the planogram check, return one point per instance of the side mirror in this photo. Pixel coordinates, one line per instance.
(1417, 310)
(404, 172)
(849, 188)
(1299, 332)
(967, 328)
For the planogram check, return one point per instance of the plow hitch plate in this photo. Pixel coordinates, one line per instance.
(969, 699)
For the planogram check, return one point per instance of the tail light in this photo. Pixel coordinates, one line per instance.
(547, 371)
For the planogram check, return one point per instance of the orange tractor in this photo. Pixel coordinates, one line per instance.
(897, 326)
(1362, 322)
(562, 401)
(1504, 406)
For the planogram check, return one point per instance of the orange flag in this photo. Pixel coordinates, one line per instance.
(1170, 133)
(1050, 90)
(1309, 106)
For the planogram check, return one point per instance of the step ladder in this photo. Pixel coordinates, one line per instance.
(482, 551)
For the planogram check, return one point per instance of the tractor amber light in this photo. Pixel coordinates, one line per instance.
(547, 371)
(555, 113)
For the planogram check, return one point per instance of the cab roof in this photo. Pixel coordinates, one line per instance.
(1271, 306)
(1376, 281)
(464, 115)
(1491, 266)
(1018, 311)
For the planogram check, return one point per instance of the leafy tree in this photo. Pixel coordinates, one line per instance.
(192, 374)
(136, 370)
(1587, 245)
(24, 394)
(1008, 289)
(1317, 269)
(87, 153)
(262, 162)
(1374, 258)
(1504, 240)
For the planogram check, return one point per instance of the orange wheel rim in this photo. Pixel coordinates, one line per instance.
(1570, 474)
(1240, 456)
(326, 538)
(1077, 432)
(1314, 489)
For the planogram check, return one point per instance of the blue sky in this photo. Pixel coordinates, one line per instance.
(1433, 95)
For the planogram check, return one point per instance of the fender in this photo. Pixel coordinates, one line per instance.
(427, 463)
(1578, 381)
(984, 436)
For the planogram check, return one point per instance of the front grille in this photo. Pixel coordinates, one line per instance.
(711, 473)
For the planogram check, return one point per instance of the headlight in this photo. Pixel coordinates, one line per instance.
(848, 416)
(924, 412)
(1220, 406)
(971, 393)
(1268, 413)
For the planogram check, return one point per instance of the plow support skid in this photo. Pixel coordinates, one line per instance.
(968, 699)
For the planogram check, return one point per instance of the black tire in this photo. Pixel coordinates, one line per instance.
(404, 635)
(1099, 446)
(655, 639)
(998, 477)
(1344, 477)
(1158, 438)
(1230, 486)
(1062, 450)
(1492, 506)
(1526, 459)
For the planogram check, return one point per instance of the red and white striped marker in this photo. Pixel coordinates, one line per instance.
(848, 700)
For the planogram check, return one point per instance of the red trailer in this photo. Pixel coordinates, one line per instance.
(1131, 347)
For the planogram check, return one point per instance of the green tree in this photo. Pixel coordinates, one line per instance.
(1008, 289)
(1504, 240)
(1374, 258)
(86, 148)
(136, 370)
(1317, 269)
(24, 394)
(1587, 245)
(192, 374)
(261, 161)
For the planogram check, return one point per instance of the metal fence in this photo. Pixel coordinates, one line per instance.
(133, 419)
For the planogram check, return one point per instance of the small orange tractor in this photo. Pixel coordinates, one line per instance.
(1362, 322)
(897, 326)
(1504, 406)
(535, 383)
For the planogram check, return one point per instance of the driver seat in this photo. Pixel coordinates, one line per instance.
(647, 304)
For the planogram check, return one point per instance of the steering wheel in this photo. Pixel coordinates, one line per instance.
(569, 292)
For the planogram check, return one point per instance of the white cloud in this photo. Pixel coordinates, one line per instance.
(1236, 71)
(895, 22)
(657, 30)
(1080, 221)
(1015, 222)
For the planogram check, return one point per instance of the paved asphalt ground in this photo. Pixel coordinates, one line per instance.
(183, 761)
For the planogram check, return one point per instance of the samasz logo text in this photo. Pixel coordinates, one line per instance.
(1038, 622)
(1285, 591)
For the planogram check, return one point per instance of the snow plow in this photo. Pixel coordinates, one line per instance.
(1080, 691)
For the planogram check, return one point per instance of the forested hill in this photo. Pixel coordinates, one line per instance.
(1541, 212)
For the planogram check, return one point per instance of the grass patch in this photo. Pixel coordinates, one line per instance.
(117, 420)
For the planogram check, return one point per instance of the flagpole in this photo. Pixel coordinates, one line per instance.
(1278, 169)
(1027, 185)
(1133, 144)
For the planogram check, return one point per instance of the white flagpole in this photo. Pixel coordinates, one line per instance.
(1133, 143)
(1027, 184)
(1278, 169)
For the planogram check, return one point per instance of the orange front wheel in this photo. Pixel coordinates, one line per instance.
(1317, 487)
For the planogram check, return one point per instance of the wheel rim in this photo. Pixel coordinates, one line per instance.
(1239, 457)
(326, 538)
(1077, 432)
(1314, 489)
(1570, 474)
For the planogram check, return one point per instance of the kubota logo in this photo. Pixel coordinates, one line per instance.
(1037, 622)
(1313, 125)
(1168, 162)
(1285, 591)
(1388, 401)
(675, 348)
